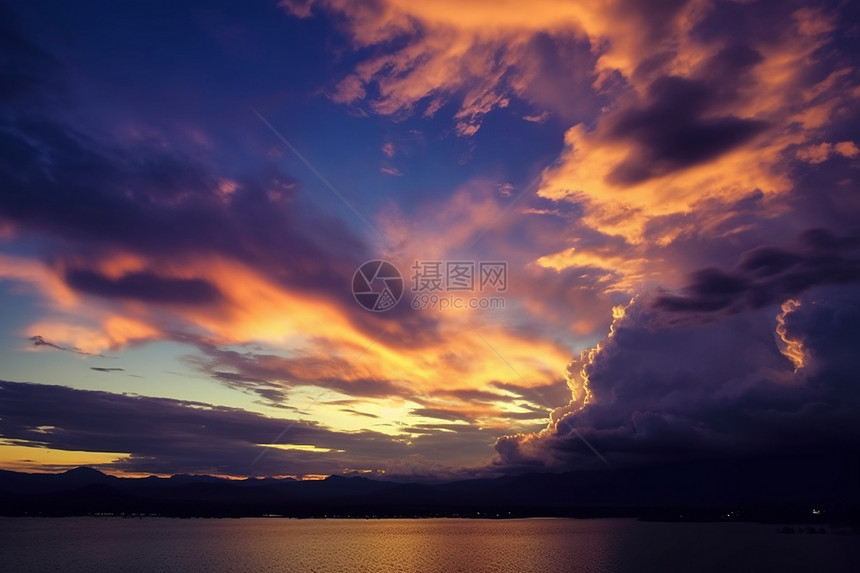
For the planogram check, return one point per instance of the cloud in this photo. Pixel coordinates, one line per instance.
(823, 151)
(388, 170)
(767, 275)
(169, 436)
(112, 332)
(143, 286)
(147, 230)
(349, 89)
(668, 133)
(359, 413)
(182, 252)
(695, 135)
(164, 436)
(440, 414)
(39, 340)
(764, 381)
(691, 120)
(483, 57)
(537, 118)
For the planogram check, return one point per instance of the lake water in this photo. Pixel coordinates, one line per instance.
(89, 544)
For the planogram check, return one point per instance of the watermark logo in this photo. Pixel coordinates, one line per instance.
(436, 285)
(377, 286)
(462, 276)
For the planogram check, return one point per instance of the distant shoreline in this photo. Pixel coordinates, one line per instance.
(694, 493)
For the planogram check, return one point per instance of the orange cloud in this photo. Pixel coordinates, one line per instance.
(40, 276)
(480, 52)
(819, 153)
(583, 176)
(323, 340)
(113, 333)
(456, 48)
(622, 273)
(790, 347)
(767, 93)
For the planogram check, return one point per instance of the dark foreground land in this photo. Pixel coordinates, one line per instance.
(808, 490)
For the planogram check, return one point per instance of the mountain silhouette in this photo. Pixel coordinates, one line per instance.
(772, 489)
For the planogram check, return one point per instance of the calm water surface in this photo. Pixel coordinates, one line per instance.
(425, 545)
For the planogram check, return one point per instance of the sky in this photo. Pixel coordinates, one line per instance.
(616, 233)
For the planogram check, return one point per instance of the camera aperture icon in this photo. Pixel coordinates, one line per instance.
(377, 285)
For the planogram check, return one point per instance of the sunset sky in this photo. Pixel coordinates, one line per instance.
(188, 189)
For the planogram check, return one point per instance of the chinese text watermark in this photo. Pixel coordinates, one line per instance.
(435, 285)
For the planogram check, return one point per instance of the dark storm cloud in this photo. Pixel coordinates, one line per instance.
(699, 372)
(144, 286)
(767, 275)
(767, 261)
(100, 369)
(174, 436)
(667, 391)
(677, 126)
(710, 290)
(672, 131)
